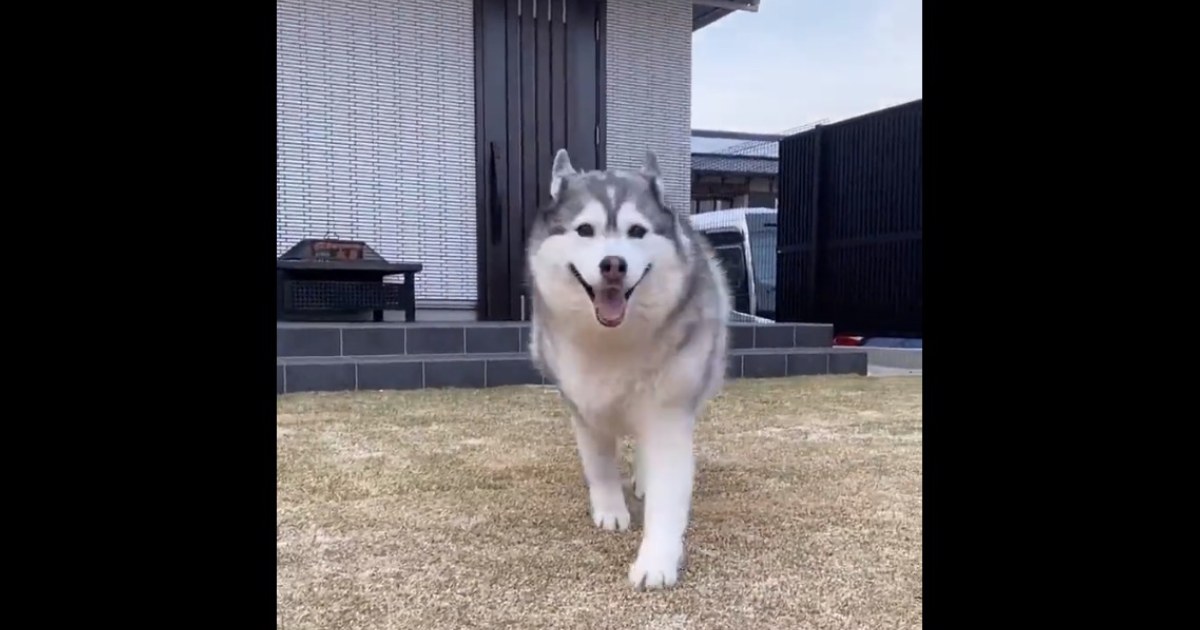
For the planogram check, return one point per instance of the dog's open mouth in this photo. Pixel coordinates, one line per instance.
(610, 301)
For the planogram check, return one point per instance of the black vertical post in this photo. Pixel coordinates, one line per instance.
(810, 281)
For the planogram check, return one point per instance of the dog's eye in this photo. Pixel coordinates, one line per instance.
(637, 231)
(585, 231)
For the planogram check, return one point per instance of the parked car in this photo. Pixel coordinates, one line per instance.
(745, 242)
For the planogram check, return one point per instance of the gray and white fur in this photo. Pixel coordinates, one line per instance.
(629, 319)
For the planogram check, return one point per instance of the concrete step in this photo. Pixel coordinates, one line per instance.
(458, 338)
(417, 371)
(900, 358)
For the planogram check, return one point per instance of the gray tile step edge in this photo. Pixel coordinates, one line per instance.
(459, 339)
(479, 371)
(496, 356)
(473, 324)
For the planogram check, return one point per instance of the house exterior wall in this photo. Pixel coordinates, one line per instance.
(375, 115)
(649, 97)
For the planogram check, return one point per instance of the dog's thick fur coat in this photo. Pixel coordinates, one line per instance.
(629, 319)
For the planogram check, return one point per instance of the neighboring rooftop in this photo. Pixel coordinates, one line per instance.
(702, 164)
(706, 141)
(739, 151)
(735, 152)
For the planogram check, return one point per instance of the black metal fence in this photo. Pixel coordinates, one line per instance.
(849, 250)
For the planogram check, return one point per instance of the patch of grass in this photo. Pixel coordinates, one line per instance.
(467, 508)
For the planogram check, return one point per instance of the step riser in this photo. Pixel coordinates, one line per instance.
(366, 341)
(478, 373)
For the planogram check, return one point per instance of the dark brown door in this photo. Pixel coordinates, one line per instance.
(538, 87)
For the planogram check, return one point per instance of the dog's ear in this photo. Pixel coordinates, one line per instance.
(651, 172)
(561, 168)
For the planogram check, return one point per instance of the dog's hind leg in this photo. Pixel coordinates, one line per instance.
(598, 453)
(667, 468)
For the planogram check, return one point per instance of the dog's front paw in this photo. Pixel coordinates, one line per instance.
(656, 568)
(609, 511)
(612, 521)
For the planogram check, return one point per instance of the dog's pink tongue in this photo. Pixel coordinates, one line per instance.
(610, 304)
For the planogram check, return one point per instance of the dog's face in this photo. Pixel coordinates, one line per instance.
(597, 248)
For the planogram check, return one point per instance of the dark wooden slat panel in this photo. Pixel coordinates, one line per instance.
(538, 88)
(582, 74)
(493, 85)
(513, 218)
(601, 83)
(528, 164)
(558, 77)
(544, 117)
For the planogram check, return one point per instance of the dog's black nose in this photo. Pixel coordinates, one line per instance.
(612, 268)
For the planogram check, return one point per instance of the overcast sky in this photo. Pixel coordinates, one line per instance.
(797, 61)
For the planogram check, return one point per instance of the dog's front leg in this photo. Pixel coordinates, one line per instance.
(639, 472)
(667, 467)
(598, 453)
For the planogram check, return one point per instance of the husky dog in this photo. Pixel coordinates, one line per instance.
(629, 319)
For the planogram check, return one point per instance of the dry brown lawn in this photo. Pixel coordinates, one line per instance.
(467, 509)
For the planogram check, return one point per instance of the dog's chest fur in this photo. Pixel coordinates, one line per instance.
(605, 381)
(601, 385)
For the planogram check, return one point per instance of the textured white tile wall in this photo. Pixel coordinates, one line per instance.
(649, 96)
(376, 132)
(376, 122)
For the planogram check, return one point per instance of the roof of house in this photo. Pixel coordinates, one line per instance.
(705, 12)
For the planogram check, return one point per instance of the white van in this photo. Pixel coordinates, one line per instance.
(745, 242)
